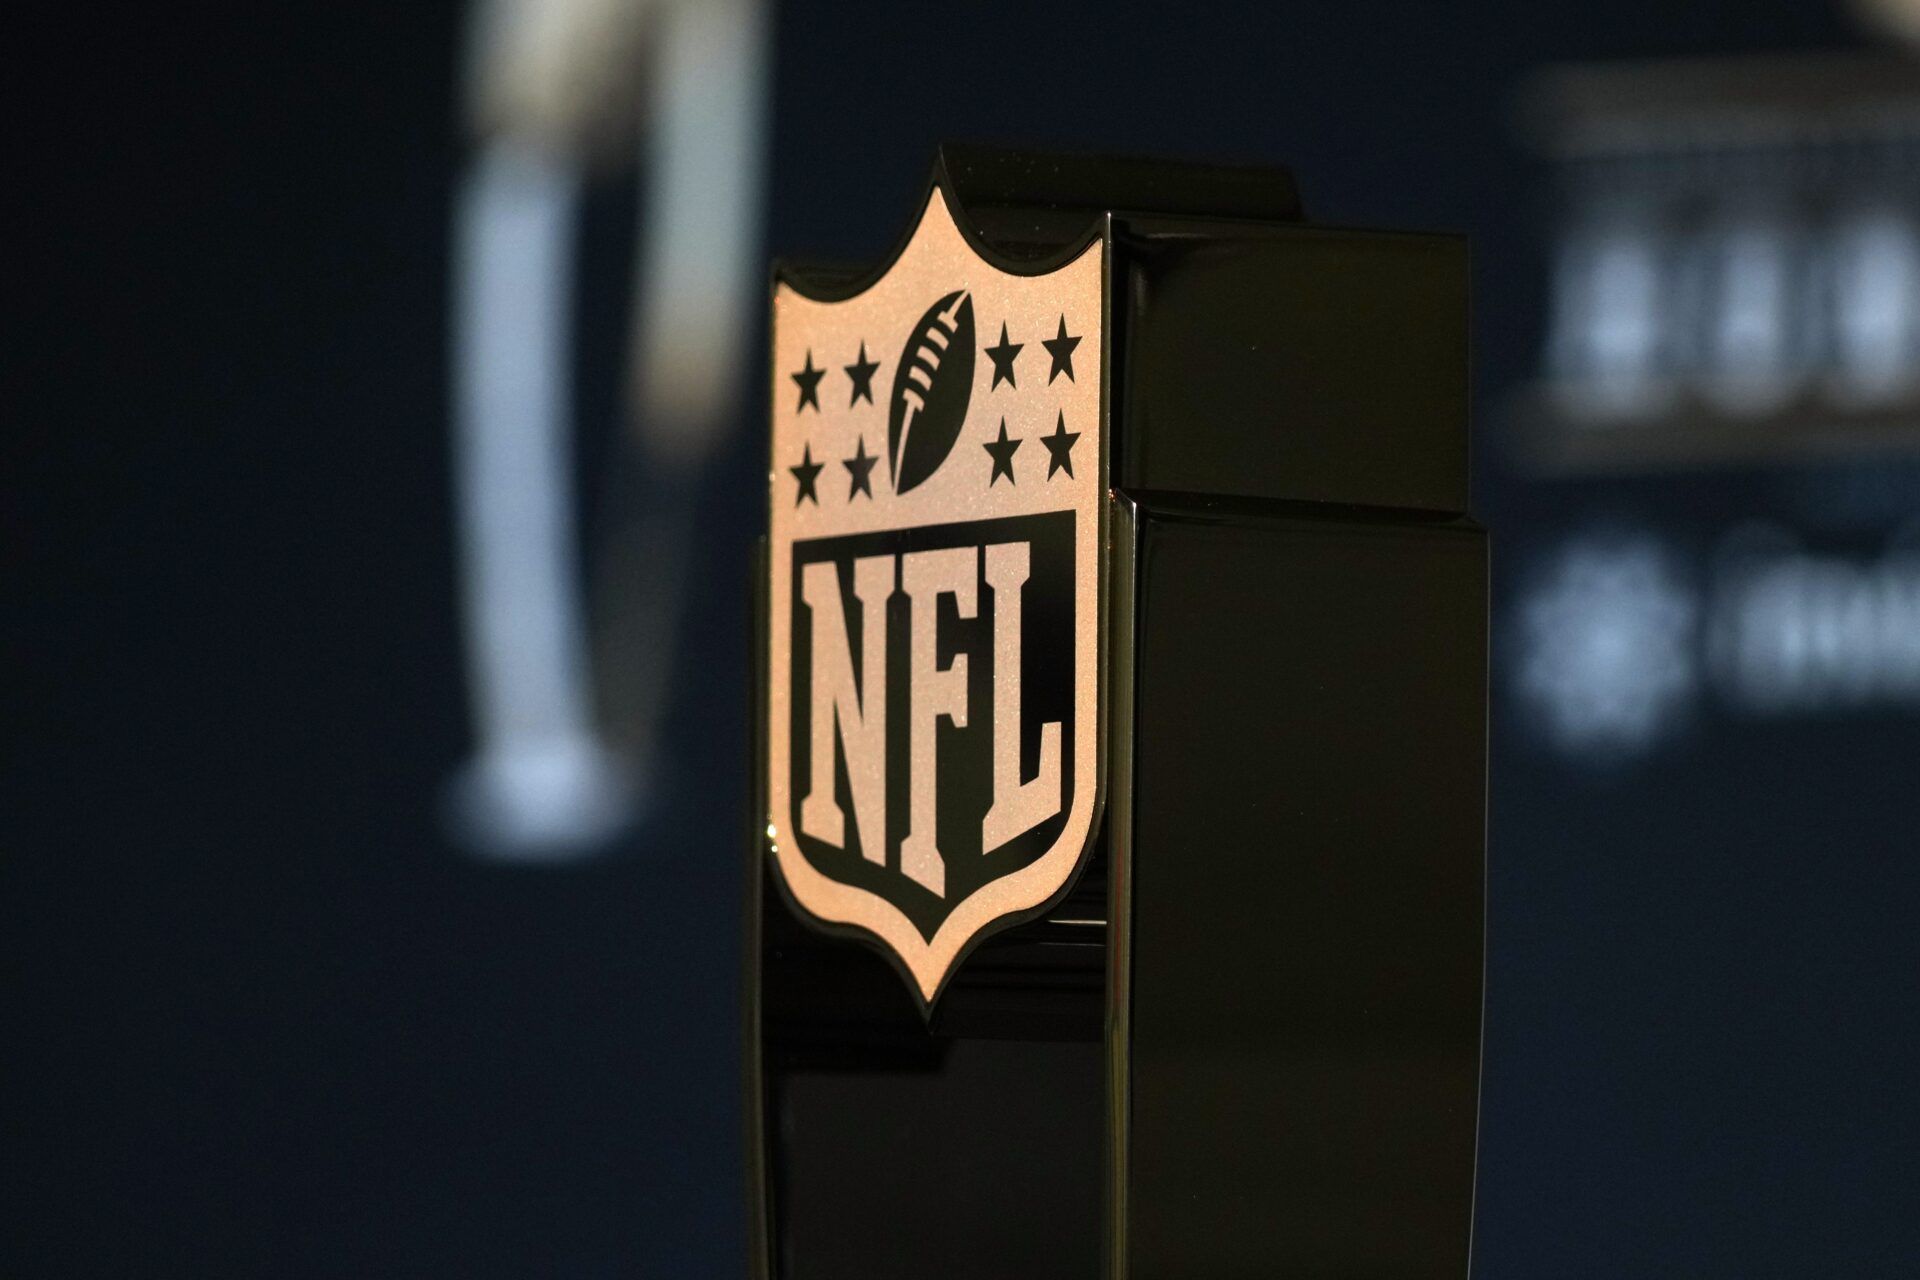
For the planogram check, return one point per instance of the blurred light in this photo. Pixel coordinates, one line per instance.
(1607, 646)
(1736, 257)
(1607, 326)
(1794, 632)
(1750, 364)
(1615, 646)
(1875, 298)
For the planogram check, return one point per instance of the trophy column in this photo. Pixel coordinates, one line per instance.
(1241, 1038)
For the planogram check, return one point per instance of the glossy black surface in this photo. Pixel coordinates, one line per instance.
(968, 1147)
(1305, 936)
(1292, 362)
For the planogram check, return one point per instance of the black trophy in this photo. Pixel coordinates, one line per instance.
(1116, 905)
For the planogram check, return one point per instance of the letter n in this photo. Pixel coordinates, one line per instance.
(859, 710)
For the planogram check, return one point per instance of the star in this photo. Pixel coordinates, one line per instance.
(1060, 448)
(1002, 356)
(1061, 349)
(860, 466)
(807, 473)
(809, 382)
(861, 371)
(1002, 451)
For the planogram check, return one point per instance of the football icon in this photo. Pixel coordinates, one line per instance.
(932, 383)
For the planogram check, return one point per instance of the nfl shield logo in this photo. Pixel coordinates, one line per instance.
(936, 552)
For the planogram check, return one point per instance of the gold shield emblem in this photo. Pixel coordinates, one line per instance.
(937, 499)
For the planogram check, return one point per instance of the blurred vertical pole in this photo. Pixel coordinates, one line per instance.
(540, 780)
(566, 726)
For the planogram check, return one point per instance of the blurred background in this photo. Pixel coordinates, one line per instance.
(384, 407)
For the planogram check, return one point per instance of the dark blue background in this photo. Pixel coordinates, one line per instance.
(258, 1017)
